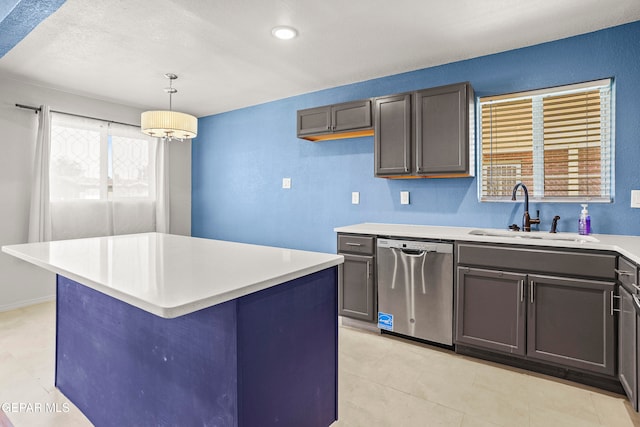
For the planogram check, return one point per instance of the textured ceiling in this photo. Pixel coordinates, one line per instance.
(226, 58)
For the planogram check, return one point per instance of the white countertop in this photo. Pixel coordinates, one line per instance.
(628, 246)
(170, 275)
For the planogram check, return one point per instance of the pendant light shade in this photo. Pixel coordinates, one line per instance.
(169, 124)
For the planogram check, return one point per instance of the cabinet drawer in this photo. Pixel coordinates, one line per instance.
(356, 244)
(581, 264)
(627, 274)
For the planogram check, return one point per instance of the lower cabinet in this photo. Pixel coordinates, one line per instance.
(356, 288)
(356, 281)
(570, 322)
(491, 310)
(567, 322)
(628, 331)
(627, 351)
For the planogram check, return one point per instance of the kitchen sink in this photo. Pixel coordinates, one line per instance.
(567, 237)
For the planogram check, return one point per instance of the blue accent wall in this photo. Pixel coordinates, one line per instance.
(19, 17)
(240, 157)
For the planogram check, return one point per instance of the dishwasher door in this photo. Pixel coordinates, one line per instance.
(415, 289)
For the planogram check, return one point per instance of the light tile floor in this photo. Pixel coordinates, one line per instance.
(384, 382)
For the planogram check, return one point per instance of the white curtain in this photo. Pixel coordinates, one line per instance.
(163, 214)
(40, 214)
(74, 219)
(94, 178)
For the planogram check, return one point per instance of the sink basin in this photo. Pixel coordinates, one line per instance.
(535, 235)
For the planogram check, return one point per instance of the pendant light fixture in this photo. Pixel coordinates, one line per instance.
(169, 125)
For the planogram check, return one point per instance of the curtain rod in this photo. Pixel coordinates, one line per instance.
(37, 109)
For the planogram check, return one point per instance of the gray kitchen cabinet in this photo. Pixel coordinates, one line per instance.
(536, 304)
(571, 322)
(427, 133)
(442, 124)
(356, 281)
(392, 135)
(627, 350)
(344, 120)
(490, 310)
(628, 330)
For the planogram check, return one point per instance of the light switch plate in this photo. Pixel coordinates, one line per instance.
(635, 198)
(286, 183)
(355, 198)
(404, 197)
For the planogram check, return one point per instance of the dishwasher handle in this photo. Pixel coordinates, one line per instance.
(416, 253)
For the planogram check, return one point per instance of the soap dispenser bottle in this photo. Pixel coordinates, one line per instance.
(584, 223)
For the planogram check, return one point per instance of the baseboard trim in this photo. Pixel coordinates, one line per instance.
(26, 303)
(611, 384)
(359, 324)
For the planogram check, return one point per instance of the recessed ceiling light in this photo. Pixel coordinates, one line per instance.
(284, 33)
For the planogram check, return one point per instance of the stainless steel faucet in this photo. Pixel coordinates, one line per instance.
(526, 218)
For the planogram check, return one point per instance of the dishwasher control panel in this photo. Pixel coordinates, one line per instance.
(414, 245)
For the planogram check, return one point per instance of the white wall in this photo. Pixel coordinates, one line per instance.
(21, 283)
(180, 188)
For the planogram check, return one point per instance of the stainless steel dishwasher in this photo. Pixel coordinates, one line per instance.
(415, 289)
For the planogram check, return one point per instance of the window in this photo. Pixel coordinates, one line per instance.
(558, 142)
(95, 160)
(102, 179)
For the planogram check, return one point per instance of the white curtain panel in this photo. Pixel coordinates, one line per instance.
(133, 216)
(39, 213)
(97, 178)
(75, 219)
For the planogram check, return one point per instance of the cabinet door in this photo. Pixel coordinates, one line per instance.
(351, 115)
(442, 130)
(627, 335)
(314, 120)
(570, 322)
(490, 310)
(393, 135)
(355, 288)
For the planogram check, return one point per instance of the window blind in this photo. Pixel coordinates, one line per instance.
(556, 141)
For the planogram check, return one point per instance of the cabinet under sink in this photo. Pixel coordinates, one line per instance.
(543, 305)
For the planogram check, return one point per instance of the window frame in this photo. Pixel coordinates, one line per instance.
(538, 144)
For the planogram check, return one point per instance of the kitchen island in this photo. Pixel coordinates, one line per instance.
(156, 329)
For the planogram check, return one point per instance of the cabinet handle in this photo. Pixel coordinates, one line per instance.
(612, 298)
(353, 244)
(531, 291)
(522, 290)
(623, 272)
(636, 287)
(368, 270)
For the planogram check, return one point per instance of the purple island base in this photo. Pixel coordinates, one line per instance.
(264, 359)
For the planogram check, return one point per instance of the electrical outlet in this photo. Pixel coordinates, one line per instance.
(404, 197)
(286, 183)
(355, 198)
(635, 198)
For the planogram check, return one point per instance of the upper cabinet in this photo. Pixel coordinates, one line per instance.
(393, 141)
(347, 120)
(427, 133)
